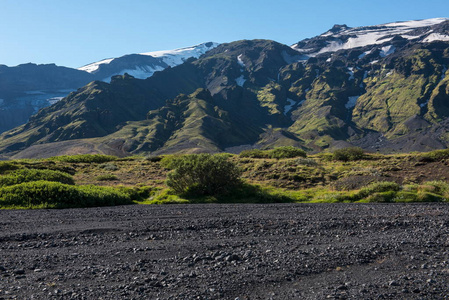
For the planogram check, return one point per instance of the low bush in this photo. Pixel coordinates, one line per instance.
(106, 177)
(46, 194)
(277, 153)
(286, 152)
(139, 194)
(254, 153)
(84, 158)
(439, 187)
(167, 196)
(348, 154)
(435, 155)
(8, 166)
(154, 158)
(27, 175)
(108, 166)
(201, 174)
(378, 187)
(382, 197)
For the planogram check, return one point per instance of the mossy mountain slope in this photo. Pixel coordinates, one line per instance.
(189, 122)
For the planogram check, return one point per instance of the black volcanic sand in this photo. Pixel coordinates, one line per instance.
(302, 251)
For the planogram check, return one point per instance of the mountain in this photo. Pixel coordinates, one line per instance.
(383, 88)
(342, 37)
(144, 65)
(26, 88)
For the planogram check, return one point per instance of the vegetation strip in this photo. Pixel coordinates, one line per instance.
(283, 174)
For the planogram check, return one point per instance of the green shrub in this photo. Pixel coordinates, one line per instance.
(167, 196)
(429, 197)
(58, 195)
(438, 187)
(27, 175)
(8, 166)
(153, 158)
(201, 174)
(106, 177)
(84, 158)
(435, 155)
(405, 196)
(383, 197)
(378, 187)
(254, 153)
(278, 153)
(138, 193)
(108, 166)
(286, 152)
(348, 154)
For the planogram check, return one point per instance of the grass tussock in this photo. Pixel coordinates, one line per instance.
(47, 194)
(84, 158)
(26, 175)
(276, 153)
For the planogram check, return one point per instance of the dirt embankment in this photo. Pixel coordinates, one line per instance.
(320, 251)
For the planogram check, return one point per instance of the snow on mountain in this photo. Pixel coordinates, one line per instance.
(436, 37)
(91, 68)
(387, 50)
(342, 37)
(178, 56)
(144, 65)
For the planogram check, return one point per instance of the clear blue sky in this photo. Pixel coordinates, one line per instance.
(78, 32)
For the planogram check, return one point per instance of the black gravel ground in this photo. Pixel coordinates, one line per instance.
(321, 251)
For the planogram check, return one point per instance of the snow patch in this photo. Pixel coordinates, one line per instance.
(170, 57)
(179, 56)
(387, 50)
(364, 54)
(240, 80)
(443, 75)
(351, 102)
(436, 37)
(289, 106)
(425, 103)
(54, 100)
(417, 23)
(91, 68)
(351, 73)
(240, 61)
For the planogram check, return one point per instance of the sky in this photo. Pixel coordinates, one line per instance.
(79, 32)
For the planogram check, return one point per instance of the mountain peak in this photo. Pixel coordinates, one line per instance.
(342, 37)
(144, 65)
(337, 28)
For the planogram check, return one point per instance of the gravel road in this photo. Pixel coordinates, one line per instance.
(287, 251)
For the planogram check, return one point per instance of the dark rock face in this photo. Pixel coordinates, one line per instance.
(226, 251)
(27, 88)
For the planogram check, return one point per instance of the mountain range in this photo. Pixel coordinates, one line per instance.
(383, 88)
(26, 88)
